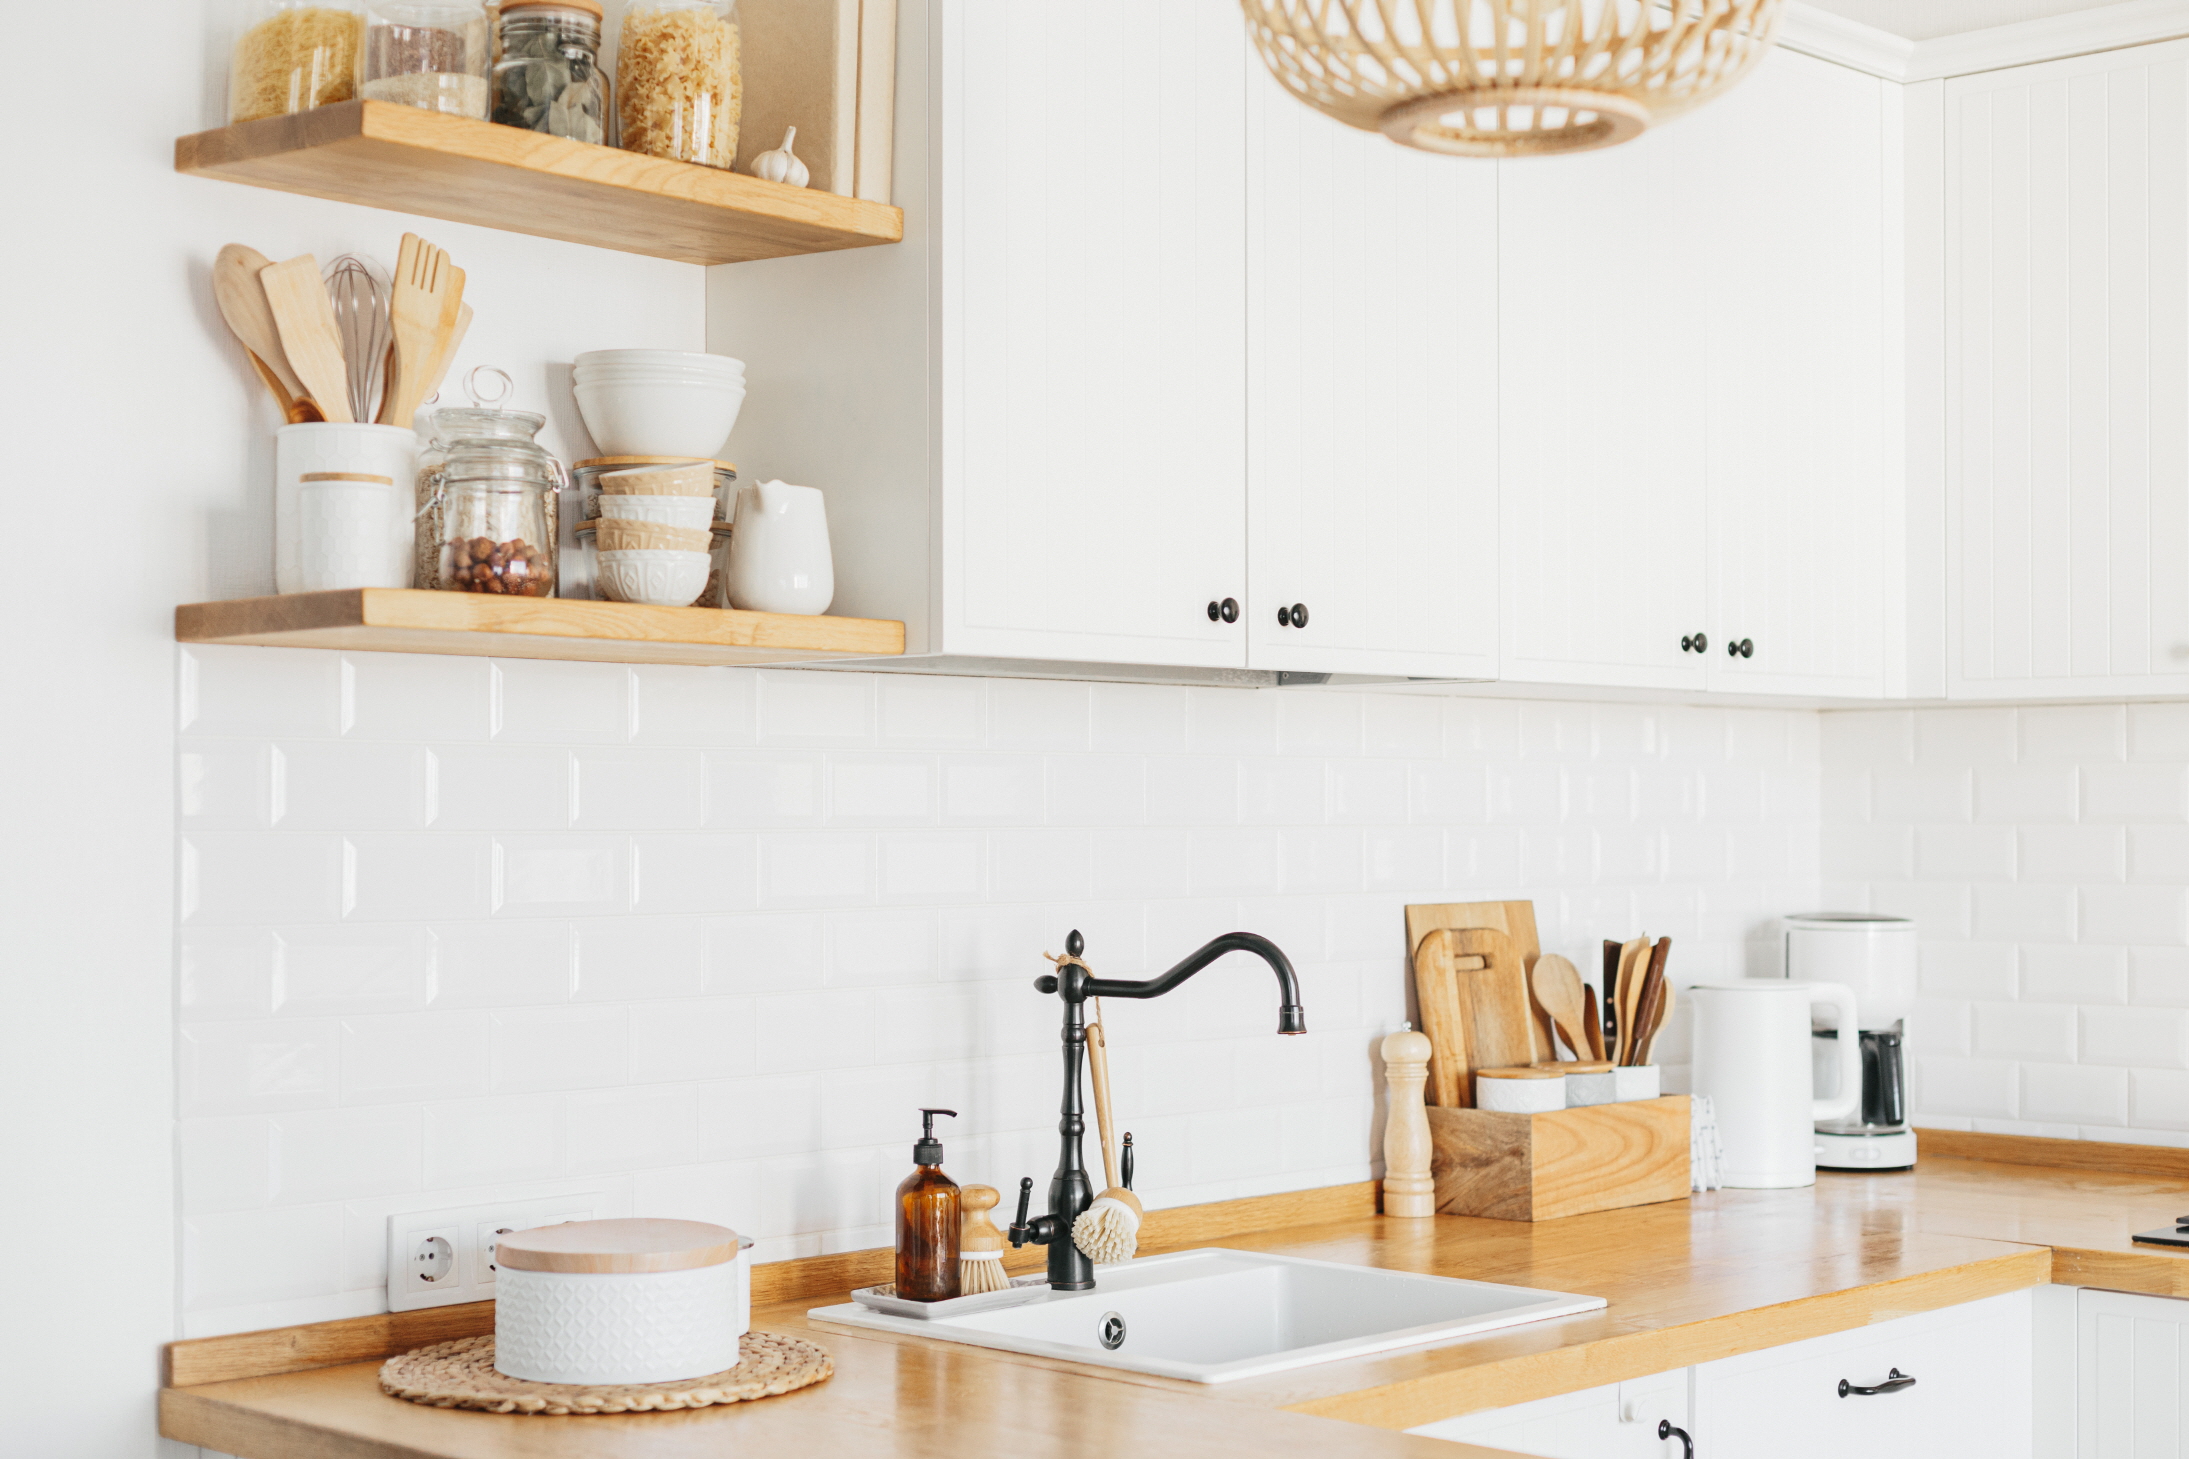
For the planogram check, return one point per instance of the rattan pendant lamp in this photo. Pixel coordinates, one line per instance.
(1509, 78)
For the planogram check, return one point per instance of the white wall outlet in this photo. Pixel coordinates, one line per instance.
(441, 1258)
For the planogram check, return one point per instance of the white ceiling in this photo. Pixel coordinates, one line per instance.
(1922, 20)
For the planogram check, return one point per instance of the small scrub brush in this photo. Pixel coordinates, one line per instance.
(1109, 1230)
(980, 1244)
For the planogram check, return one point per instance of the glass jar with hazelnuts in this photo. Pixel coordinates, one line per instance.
(488, 499)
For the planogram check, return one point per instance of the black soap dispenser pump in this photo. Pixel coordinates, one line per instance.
(928, 1221)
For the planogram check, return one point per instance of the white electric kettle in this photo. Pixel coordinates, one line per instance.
(1752, 1058)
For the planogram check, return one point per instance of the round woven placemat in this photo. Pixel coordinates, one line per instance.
(461, 1374)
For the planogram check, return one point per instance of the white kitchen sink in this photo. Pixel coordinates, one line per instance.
(1212, 1315)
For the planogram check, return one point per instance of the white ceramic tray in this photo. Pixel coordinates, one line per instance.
(885, 1299)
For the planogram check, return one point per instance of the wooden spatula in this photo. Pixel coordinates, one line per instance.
(1557, 985)
(1499, 1033)
(448, 349)
(1631, 969)
(1657, 1021)
(1444, 1020)
(1595, 1020)
(1649, 1001)
(309, 335)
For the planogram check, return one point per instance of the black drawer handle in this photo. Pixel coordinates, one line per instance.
(1893, 1384)
(1665, 1430)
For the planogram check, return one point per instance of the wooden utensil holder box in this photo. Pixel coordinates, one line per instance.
(1600, 1157)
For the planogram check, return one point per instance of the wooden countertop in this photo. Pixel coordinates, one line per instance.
(1687, 1281)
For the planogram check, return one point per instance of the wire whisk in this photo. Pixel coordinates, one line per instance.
(360, 297)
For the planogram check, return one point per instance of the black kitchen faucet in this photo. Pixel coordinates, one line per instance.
(1070, 1190)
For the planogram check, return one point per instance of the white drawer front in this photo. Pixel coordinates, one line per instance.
(1616, 1421)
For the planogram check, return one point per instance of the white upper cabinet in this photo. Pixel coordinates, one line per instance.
(1371, 399)
(1791, 184)
(1601, 427)
(2067, 377)
(1093, 297)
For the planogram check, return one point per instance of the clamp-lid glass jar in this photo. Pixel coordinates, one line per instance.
(547, 76)
(431, 54)
(483, 476)
(680, 86)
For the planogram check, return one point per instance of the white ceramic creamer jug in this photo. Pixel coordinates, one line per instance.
(1752, 1059)
(779, 553)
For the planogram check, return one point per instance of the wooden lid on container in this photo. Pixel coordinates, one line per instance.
(640, 1244)
(648, 460)
(1576, 1066)
(1520, 1072)
(347, 476)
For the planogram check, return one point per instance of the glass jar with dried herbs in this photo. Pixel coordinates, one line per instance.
(293, 55)
(548, 78)
(680, 86)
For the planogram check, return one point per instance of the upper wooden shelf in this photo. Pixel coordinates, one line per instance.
(414, 620)
(413, 161)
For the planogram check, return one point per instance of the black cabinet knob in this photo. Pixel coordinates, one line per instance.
(1299, 615)
(1694, 643)
(1741, 648)
(1224, 612)
(1284, 617)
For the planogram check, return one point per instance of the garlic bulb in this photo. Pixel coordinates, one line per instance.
(782, 165)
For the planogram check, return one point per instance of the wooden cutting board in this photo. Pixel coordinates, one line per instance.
(1444, 1021)
(1516, 920)
(1500, 1010)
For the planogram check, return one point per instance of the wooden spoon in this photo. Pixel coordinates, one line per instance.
(1557, 986)
(1595, 1022)
(1664, 1015)
(1648, 1002)
(309, 334)
(1630, 987)
(242, 302)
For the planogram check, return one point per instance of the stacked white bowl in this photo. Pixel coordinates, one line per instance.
(658, 402)
(654, 534)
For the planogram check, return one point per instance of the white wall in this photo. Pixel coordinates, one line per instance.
(136, 430)
(2043, 853)
(454, 930)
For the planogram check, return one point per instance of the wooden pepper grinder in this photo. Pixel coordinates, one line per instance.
(1409, 1188)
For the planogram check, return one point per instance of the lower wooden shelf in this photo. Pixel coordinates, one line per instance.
(417, 621)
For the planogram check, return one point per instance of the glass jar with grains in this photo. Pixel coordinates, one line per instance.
(294, 55)
(427, 53)
(679, 80)
(547, 75)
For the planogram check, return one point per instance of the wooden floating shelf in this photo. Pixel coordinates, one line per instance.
(417, 621)
(388, 156)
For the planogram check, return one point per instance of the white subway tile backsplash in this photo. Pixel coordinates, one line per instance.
(417, 697)
(619, 959)
(2055, 974)
(2136, 792)
(557, 702)
(2025, 1031)
(1973, 853)
(2081, 734)
(1867, 852)
(258, 1067)
(2158, 977)
(501, 788)
(428, 875)
(2025, 913)
(2072, 1094)
(2158, 732)
(340, 785)
(1862, 739)
(2025, 793)
(2158, 1099)
(1972, 1087)
(703, 707)
(2151, 915)
(1959, 738)
(637, 790)
(2150, 1038)
(560, 1048)
(715, 934)
(243, 1258)
(227, 689)
(500, 964)
(2070, 853)
(1919, 796)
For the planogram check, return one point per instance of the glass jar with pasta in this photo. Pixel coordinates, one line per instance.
(293, 55)
(679, 80)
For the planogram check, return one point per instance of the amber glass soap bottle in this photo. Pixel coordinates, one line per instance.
(927, 1221)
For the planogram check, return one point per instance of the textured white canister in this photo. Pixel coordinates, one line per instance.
(1520, 1091)
(322, 446)
(632, 1301)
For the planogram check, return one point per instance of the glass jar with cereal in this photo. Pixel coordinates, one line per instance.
(679, 80)
(293, 55)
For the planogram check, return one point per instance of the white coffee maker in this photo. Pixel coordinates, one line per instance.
(1876, 957)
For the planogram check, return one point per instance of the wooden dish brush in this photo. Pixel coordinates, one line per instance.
(980, 1244)
(1109, 1229)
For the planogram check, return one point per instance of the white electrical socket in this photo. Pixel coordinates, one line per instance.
(441, 1258)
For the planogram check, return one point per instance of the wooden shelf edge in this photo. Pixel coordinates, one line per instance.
(379, 154)
(412, 620)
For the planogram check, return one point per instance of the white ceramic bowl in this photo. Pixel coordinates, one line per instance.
(666, 419)
(670, 511)
(659, 579)
(684, 359)
(659, 377)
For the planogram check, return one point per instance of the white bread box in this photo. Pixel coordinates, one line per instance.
(629, 1301)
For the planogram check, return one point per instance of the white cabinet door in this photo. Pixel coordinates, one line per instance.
(1971, 1398)
(1791, 178)
(2132, 1376)
(1092, 314)
(1371, 399)
(1600, 348)
(2067, 377)
(1616, 1421)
